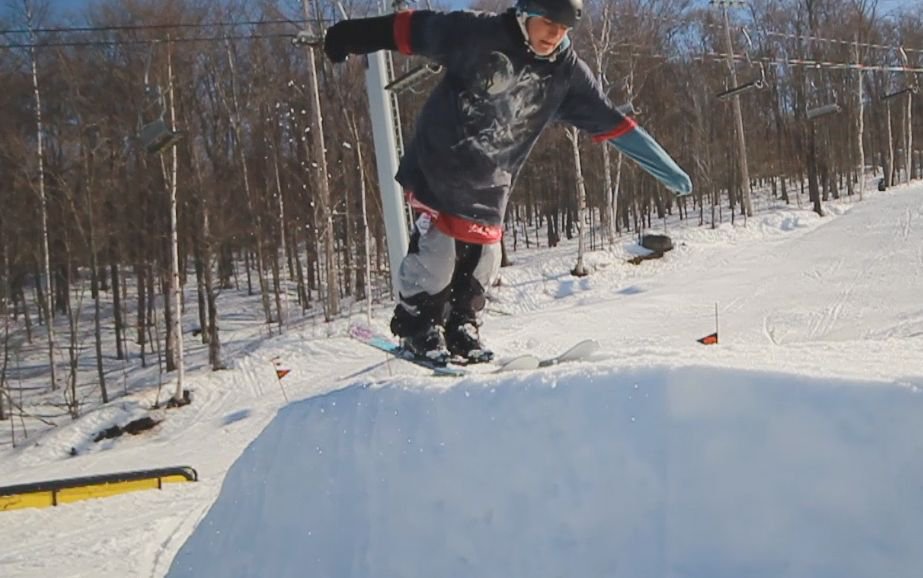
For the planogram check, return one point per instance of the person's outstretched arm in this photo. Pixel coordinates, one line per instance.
(588, 108)
(360, 36)
(432, 34)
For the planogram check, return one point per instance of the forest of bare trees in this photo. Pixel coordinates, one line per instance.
(120, 119)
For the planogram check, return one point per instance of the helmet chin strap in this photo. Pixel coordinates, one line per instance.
(521, 17)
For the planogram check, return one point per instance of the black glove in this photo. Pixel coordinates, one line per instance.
(335, 42)
(359, 36)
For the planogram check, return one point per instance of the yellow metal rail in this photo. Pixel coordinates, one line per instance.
(52, 493)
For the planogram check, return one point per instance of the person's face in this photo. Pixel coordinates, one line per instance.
(544, 35)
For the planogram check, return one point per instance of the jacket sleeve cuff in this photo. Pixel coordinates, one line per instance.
(627, 125)
(402, 22)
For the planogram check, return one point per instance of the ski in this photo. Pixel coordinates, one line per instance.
(580, 351)
(388, 345)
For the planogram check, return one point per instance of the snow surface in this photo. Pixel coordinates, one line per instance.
(792, 448)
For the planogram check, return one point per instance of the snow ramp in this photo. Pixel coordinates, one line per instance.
(652, 472)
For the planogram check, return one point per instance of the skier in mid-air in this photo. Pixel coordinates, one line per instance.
(508, 76)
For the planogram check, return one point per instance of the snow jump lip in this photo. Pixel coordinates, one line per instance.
(640, 472)
(54, 492)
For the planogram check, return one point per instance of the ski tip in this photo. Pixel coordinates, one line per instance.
(519, 363)
(449, 371)
(360, 332)
(581, 349)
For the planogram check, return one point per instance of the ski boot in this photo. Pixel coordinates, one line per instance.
(420, 335)
(428, 344)
(464, 341)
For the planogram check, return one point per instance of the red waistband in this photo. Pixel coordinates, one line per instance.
(459, 228)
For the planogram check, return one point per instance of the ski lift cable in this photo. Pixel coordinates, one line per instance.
(140, 27)
(815, 64)
(774, 61)
(79, 43)
(200, 25)
(807, 37)
(850, 43)
(90, 43)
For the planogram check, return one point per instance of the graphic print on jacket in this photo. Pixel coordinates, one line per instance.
(487, 112)
(501, 105)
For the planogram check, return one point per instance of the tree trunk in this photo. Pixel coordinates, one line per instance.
(579, 269)
(118, 291)
(889, 176)
(174, 325)
(199, 265)
(860, 127)
(88, 158)
(322, 186)
(214, 342)
(743, 169)
(281, 299)
(258, 221)
(73, 403)
(813, 184)
(39, 131)
(908, 143)
(4, 314)
(168, 318)
(303, 293)
(140, 271)
(225, 266)
(247, 270)
(366, 241)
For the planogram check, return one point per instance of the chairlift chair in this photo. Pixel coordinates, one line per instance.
(156, 136)
(823, 110)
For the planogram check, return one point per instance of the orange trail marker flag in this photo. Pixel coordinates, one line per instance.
(709, 339)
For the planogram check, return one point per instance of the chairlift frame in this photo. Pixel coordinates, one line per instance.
(307, 38)
(755, 84)
(628, 109)
(903, 91)
(910, 86)
(413, 77)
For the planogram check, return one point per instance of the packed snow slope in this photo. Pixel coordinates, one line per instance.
(646, 472)
(792, 448)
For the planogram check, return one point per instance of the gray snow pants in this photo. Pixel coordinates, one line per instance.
(442, 279)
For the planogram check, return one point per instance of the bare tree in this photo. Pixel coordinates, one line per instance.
(601, 41)
(579, 269)
(177, 326)
(39, 131)
(322, 186)
(235, 116)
